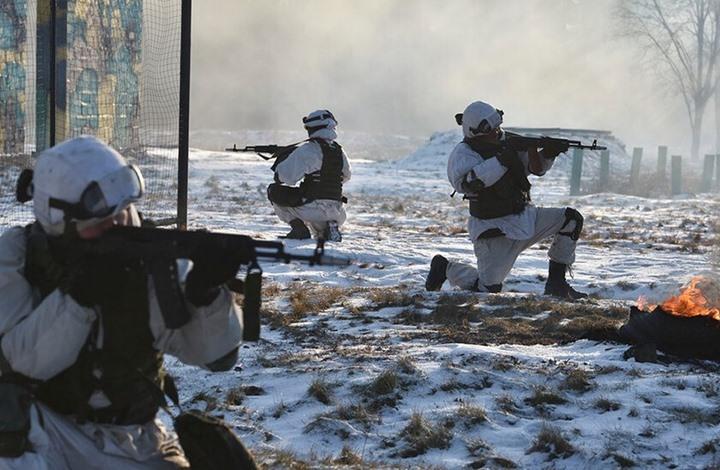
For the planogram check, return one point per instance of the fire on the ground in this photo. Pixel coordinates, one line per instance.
(700, 297)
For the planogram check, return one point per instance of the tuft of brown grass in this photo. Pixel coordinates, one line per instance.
(542, 396)
(605, 404)
(506, 403)
(577, 380)
(235, 396)
(421, 435)
(406, 365)
(306, 300)
(551, 441)
(471, 414)
(383, 384)
(382, 297)
(320, 389)
(280, 409)
(348, 457)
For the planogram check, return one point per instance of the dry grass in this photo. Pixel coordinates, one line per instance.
(577, 380)
(382, 297)
(517, 320)
(691, 414)
(348, 457)
(551, 441)
(542, 396)
(306, 301)
(506, 403)
(605, 404)
(321, 390)
(280, 409)
(421, 435)
(711, 446)
(406, 365)
(235, 396)
(471, 414)
(383, 384)
(708, 387)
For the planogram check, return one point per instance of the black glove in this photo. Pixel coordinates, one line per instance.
(553, 149)
(213, 265)
(509, 158)
(86, 281)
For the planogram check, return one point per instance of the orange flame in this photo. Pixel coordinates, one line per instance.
(691, 302)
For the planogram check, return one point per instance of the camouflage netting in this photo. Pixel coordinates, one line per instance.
(116, 76)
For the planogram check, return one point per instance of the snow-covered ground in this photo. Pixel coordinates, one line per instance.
(361, 365)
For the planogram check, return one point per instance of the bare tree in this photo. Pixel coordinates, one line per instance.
(684, 36)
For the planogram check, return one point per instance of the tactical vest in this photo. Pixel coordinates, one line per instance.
(326, 183)
(126, 368)
(509, 195)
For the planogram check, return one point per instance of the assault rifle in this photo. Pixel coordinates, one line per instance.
(521, 142)
(159, 248)
(274, 151)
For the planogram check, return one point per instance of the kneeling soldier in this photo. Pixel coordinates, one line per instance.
(503, 222)
(323, 167)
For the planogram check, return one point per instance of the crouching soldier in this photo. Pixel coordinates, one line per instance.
(321, 167)
(82, 339)
(503, 222)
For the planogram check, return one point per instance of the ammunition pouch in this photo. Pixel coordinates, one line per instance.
(15, 401)
(287, 196)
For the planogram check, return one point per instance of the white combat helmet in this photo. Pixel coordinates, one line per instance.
(480, 118)
(82, 180)
(319, 120)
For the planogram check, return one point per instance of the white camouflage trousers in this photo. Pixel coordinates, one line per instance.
(496, 256)
(59, 443)
(315, 214)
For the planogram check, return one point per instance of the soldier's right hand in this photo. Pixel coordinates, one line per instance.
(213, 265)
(84, 281)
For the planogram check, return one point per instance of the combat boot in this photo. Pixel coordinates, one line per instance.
(332, 232)
(299, 230)
(438, 273)
(557, 285)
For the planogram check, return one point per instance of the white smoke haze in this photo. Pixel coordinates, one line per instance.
(407, 66)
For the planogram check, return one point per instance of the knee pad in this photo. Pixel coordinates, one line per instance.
(571, 215)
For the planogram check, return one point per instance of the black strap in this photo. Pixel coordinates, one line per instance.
(167, 290)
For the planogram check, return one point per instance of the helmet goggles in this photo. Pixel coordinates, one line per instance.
(106, 196)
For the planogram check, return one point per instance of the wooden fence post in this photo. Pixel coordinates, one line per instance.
(676, 170)
(662, 162)
(635, 168)
(604, 170)
(576, 172)
(707, 176)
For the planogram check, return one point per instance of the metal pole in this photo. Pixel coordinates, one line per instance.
(184, 118)
(53, 75)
